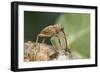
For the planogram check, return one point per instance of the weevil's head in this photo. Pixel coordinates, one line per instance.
(58, 26)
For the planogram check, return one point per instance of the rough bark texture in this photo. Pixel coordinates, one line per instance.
(43, 52)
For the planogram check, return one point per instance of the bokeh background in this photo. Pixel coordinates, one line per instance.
(76, 27)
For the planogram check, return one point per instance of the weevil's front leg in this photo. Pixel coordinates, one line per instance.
(51, 40)
(61, 38)
(58, 37)
(67, 50)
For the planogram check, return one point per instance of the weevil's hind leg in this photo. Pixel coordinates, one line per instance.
(43, 40)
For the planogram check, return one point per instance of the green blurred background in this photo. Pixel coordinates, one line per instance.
(76, 26)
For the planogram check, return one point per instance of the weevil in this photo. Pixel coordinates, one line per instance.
(53, 31)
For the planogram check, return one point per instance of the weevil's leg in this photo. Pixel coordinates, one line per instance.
(43, 40)
(67, 50)
(52, 43)
(37, 39)
(58, 39)
(55, 47)
(64, 43)
(63, 40)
